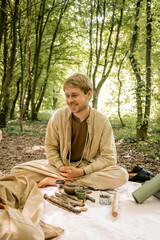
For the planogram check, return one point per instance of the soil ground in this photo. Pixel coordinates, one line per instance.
(19, 149)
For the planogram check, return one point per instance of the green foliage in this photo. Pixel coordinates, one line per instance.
(31, 128)
(44, 115)
(127, 133)
(70, 54)
(154, 126)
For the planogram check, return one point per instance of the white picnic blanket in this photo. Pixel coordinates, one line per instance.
(134, 222)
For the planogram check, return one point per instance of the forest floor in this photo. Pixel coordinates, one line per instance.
(20, 149)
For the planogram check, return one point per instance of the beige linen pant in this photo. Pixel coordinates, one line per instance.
(108, 178)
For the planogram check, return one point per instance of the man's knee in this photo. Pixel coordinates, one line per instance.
(123, 176)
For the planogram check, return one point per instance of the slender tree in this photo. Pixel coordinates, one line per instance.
(29, 61)
(142, 118)
(120, 87)
(2, 19)
(9, 71)
(104, 56)
(148, 70)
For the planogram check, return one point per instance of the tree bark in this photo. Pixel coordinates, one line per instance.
(5, 57)
(23, 52)
(136, 69)
(142, 119)
(89, 70)
(148, 61)
(29, 61)
(15, 99)
(27, 102)
(9, 72)
(2, 19)
(119, 92)
(39, 34)
(142, 132)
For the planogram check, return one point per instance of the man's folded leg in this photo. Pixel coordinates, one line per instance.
(37, 170)
(108, 178)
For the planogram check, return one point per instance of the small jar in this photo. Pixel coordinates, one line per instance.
(80, 193)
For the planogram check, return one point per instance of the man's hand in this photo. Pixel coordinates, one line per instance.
(71, 172)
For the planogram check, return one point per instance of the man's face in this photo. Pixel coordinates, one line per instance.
(76, 99)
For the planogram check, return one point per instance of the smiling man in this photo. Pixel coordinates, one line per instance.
(80, 143)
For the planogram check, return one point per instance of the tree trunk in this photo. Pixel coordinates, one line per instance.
(23, 52)
(137, 71)
(119, 92)
(5, 57)
(2, 19)
(95, 98)
(142, 132)
(29, 61)
(27, 101)
(148, 64)
(15, 100)
(89, 70)
(142, 120)
(39, 34)
(9, 73)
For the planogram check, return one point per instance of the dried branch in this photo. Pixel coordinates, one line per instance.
(60, 203)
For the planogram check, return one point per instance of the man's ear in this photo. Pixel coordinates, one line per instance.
(90, 92)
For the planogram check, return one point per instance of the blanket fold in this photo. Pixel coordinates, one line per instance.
(22, 218)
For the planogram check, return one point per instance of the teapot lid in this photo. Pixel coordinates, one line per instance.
(71, 184)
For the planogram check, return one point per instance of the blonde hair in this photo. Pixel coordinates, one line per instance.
(80, 81)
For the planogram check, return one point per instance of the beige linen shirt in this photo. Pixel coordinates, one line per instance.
(99, 150)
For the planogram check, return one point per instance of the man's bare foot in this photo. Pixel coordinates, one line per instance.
(48, 181)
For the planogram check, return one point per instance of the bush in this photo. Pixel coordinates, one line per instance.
(127, 133)
(45, 115)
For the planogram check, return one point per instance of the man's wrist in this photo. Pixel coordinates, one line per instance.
(84, 173)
